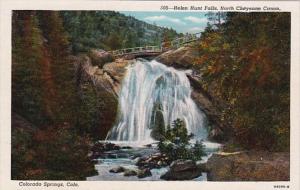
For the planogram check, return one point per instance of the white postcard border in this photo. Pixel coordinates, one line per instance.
(5, 94)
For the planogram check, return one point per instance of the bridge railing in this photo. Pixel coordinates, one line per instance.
(176, 43)
(136, 50)
(185, 39)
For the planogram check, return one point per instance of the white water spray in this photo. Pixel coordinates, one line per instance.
(146, 84)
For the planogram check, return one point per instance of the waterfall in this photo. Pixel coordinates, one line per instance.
(150, 83)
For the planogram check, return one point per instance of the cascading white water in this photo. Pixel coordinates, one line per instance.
(148, 83)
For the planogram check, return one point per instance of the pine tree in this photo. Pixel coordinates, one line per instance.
(27, 67)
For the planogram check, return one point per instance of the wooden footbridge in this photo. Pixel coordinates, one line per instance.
(156, 50)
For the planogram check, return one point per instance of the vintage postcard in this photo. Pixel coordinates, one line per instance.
(149, 95)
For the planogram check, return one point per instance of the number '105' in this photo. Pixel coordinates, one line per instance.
(164, 7)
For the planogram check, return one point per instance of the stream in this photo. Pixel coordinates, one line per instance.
(126, 159)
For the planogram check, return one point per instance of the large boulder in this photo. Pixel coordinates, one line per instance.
(156, 160)
(140, 173)
(116, 71)
(183, 57)
(108, 77)
(249, 166)
(99, 149)
(129, 172)
(118, 169)
(100, 57)
(182, 170)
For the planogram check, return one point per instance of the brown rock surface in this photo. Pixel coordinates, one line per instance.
(109, 77)
(249, 166)
(100, 57)
(182, 170)
(181, 58)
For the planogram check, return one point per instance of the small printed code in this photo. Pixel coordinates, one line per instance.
(281, 186)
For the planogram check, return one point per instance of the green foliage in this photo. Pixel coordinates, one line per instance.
(215, 18)
(179, 132)
(245, 63)
(198, 150)
(88, 114)
(176, 144)
(110, 30)
(66, 155)
(21, 158)
(55, 153)
(44, 93)
(96, 111)
(27, 54)
(114, 41)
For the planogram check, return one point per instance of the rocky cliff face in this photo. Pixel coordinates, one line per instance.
(99, 88)
(109, 77)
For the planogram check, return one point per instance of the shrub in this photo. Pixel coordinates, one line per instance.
(176, 145)
(53, 153)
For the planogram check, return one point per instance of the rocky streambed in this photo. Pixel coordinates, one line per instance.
(132, 162)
